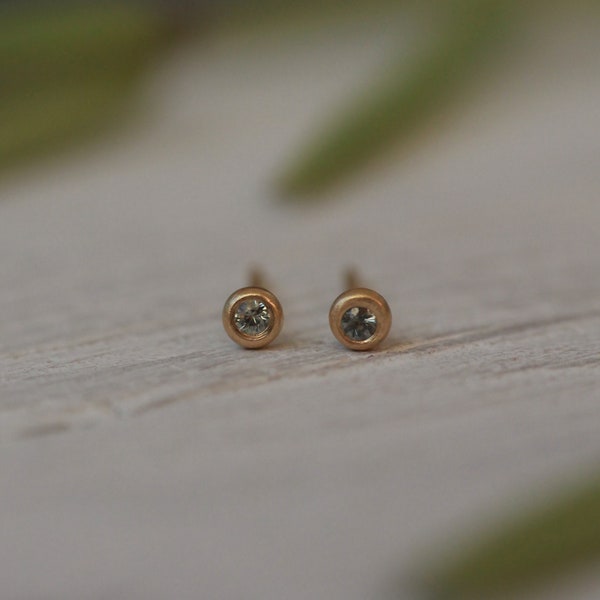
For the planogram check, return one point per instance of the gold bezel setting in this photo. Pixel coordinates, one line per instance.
(361, 298)
(275, 323)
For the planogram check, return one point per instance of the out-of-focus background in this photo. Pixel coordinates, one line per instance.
(151, 153)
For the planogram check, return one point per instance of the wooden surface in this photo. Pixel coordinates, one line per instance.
(143, 455)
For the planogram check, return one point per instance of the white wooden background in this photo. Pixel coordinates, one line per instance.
(143, 455)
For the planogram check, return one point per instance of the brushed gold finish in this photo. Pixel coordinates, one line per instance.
(360, 297)
(250, 293)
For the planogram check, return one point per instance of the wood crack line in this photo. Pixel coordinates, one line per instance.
(442, 342)
(450, 340)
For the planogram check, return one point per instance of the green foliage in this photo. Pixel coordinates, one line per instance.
(547, 542)
(397, 106)
(54, 117)
(66, 70)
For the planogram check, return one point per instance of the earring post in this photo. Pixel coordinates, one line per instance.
(256, 277)
(351, 278)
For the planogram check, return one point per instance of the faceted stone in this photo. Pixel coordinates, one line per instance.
(359, 323)
(252, 316)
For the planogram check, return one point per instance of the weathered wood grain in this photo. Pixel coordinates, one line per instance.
(143, 455)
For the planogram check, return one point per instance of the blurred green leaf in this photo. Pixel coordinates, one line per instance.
(57, 116)
(396, 107)
(66, 70)
(46, 45)
(546, 543)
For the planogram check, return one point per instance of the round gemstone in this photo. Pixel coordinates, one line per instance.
(359, 323)
(252, 316)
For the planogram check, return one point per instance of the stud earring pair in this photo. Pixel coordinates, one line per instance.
(359, 318)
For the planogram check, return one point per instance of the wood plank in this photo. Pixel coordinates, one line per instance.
(143, 454)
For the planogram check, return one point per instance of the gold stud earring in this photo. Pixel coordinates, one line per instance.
(252, 316)
(359, 318)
